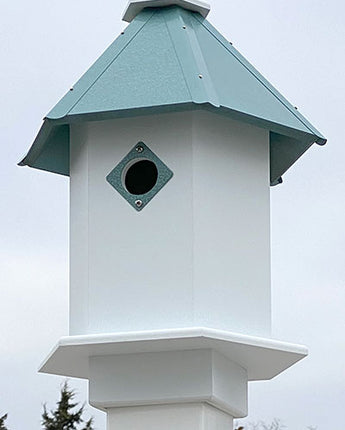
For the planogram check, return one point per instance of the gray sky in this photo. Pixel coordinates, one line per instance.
(45, 46)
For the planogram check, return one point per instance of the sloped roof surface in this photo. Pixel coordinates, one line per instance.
(171, 59)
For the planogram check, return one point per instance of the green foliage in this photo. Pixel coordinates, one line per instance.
(65, 417)
(2, 422)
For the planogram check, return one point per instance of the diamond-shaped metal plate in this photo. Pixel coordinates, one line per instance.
(116, 177)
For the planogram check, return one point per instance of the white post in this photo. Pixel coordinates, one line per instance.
(171, 390)
(193, 416)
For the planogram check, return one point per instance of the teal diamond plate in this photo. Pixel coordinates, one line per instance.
(116, 177)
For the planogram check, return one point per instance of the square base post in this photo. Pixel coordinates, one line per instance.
(200, 376)
(193, 416)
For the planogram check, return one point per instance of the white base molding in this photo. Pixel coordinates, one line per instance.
(262, 358)
(171, 367)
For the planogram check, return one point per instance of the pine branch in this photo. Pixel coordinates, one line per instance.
(65, 417)
(2, 422)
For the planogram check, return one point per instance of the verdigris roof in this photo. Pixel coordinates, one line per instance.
(172, 59)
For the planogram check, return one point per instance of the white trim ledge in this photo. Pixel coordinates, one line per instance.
(262, 358)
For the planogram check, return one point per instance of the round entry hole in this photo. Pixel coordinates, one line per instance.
(141, 177)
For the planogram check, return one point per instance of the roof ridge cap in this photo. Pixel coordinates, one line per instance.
(134, 7)
(190, 57)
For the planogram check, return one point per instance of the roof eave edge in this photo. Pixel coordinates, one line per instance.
(38, 143)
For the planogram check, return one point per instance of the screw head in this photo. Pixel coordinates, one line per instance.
(138, 203)
(200, 76)
(139, 149)
(184, 27)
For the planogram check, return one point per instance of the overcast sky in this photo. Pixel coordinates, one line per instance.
(298, 45)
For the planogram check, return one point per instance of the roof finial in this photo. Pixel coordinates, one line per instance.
(136, 6)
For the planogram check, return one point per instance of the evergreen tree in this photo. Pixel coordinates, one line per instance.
(65, 417)
(2, 422)
(274, 425)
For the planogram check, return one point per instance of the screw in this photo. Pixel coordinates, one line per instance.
(184, 27)
(122, 32)
(138, 203)
(139, 149)
(200, 76)
(71, 89)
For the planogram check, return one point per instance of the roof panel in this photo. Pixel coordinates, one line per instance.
(170, 59)
(239, 86)
(147, 73)
(96, 71)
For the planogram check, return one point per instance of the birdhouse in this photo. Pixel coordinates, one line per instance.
(171, 141)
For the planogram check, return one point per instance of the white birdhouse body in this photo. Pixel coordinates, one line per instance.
(198, 254)
(171, 141)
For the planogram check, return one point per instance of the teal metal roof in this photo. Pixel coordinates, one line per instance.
(170, 59)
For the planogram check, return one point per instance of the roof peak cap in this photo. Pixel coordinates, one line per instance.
(134, 7)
